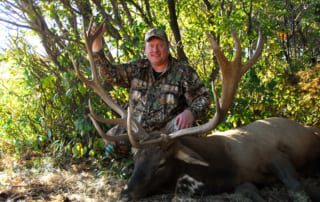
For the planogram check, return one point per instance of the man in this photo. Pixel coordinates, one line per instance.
(165, 93)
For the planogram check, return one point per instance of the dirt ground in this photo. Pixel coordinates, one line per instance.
(40, 180)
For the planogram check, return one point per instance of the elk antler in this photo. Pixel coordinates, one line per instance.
(97, 87)
(232, 71)
(133, 141)
(94, 83)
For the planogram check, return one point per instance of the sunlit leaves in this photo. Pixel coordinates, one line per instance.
(45, 106)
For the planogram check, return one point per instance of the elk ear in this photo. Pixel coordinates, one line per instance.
(187, 155)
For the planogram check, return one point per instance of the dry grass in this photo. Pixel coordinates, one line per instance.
(41, 181)
(46, 183)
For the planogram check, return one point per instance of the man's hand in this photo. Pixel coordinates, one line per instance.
(97, 43)
(184, 119)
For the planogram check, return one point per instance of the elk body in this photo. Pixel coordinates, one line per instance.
(259, 153)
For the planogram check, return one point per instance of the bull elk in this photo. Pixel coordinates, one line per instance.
(259, 153)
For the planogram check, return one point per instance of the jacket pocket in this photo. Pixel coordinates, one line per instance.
(138, 89)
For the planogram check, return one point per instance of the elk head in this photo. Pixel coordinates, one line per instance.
(156, 159)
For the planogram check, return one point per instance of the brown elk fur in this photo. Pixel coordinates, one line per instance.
(229, 158)
(255, 145)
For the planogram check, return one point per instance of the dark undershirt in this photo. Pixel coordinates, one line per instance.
(156, 74)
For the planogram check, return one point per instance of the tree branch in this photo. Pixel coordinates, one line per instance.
(208, 4)
(118, 20)
(175, 28)
(16, 24)
(127, 11)
(142, 13)
(148, 11)
(110, 28)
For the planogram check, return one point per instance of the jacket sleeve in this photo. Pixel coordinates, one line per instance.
(119, 75)
(196, 94)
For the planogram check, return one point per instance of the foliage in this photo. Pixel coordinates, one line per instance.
(35, 100)
(43, 106)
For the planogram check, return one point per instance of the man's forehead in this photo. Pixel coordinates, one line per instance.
(155, 39)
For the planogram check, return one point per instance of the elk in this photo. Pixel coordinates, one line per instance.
(259, 153)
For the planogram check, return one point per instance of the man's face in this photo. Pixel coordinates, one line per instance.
(157, 51)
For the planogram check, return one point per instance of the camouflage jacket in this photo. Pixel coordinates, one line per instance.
(157, 101)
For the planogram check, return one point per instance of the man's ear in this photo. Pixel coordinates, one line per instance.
(187, 155)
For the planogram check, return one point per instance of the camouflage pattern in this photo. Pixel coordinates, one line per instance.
(157, 101)
(156, 32)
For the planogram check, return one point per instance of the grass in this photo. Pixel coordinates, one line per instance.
(42, 181)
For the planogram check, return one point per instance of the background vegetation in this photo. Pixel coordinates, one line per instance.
(43, 106)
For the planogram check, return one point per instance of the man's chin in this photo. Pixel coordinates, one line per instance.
(156, 63)
(155, 60)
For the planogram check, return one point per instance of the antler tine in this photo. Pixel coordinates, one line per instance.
(257, 53)
(237, 45)
(157, 141)
(89, 48)
(119, 121)
(107, 138)
(132, 139)
(222, 60)
(138, 129)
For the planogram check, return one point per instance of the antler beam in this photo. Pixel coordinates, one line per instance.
(231, 71)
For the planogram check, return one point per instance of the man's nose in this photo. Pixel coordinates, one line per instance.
(156, 49)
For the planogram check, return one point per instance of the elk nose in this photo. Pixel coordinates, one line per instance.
(125, 198)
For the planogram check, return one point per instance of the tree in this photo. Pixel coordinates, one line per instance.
(59, 99)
